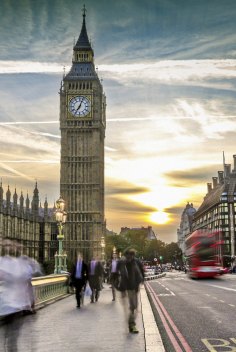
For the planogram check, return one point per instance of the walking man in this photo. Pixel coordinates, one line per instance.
(79, 277)
(132, 275)
(113, 275)
(95, 278)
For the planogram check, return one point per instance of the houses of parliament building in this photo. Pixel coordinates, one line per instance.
(82, 125)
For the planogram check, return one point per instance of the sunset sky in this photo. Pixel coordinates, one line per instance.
(169, 74)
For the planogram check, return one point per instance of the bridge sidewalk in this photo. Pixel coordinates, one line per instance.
(101, 326)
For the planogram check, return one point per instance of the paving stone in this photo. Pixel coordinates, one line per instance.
(61, 327)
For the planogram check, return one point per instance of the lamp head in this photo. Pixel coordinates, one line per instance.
(60, 204)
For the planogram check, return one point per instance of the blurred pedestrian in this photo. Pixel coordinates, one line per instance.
(131, 276)
(106, 272)
(79, 277)
(33, 268)
(95, 278)
(14, 295)
(114, 275)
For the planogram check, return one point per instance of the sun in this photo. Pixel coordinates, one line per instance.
(159, 217)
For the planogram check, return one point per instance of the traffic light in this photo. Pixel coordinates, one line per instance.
(161, 257)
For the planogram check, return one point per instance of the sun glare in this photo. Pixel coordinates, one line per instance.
(159, 217)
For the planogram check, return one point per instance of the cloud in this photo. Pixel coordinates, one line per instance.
(197, 176)
(168, 70)
(172, 70)
(10, 67)
(118, 187)
(28, 123)
(17, 137)
(184, 72)
(122, 205)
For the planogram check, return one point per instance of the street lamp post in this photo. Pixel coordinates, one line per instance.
(60, 257)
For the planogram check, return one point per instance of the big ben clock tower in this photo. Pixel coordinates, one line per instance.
(82, 124)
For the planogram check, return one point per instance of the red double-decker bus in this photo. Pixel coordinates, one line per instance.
(204, 253)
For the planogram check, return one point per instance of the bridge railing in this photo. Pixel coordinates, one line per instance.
(48, 289)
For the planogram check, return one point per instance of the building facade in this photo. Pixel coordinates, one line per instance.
(185, 227)
(82, 124)
(218, 210)
(29, 224)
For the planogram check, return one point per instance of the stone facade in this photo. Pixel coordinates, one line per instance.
(185, 227)
(218, 209)
(29, 224)
(82, 124)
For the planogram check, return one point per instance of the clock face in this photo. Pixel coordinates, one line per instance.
(79, 106)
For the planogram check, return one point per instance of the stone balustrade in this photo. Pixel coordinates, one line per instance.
(48, 289)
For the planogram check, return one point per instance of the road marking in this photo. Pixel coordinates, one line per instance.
(219, 343)
(221, 301)
(166, 294)
(223, 288)
(166, 317)
(231, 305)
(164, 321)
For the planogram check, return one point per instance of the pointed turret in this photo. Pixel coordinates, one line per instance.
(27, 203)
(83, 41)
(8, 197)
(21, 204)
(83, 63)
(1, 196)
(15, 198)
(35, 201)
(46, 209)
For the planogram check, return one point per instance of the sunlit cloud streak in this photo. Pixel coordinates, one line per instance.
(11, 67)
(162, 70)
(170, 87)
(28, 123)
(15, 172)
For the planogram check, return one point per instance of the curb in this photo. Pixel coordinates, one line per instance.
(153, 277)
(153, 340)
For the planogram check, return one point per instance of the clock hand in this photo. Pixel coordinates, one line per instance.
(79, 105)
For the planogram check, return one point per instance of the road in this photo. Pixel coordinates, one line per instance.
(195, 315)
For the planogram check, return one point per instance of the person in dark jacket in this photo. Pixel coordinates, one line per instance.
(79, 277)
(131, 276)
(95, 278)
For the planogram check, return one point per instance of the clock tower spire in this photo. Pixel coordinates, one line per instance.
(82, 124)
(82, 49)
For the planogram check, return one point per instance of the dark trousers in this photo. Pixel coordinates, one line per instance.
(79, 284)
(95, 283)
(113, 279)
(12, 325)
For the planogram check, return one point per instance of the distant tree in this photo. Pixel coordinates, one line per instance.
(115, 241)
(155, 249)
(146, 249)
(136, 239)
(173, 253)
